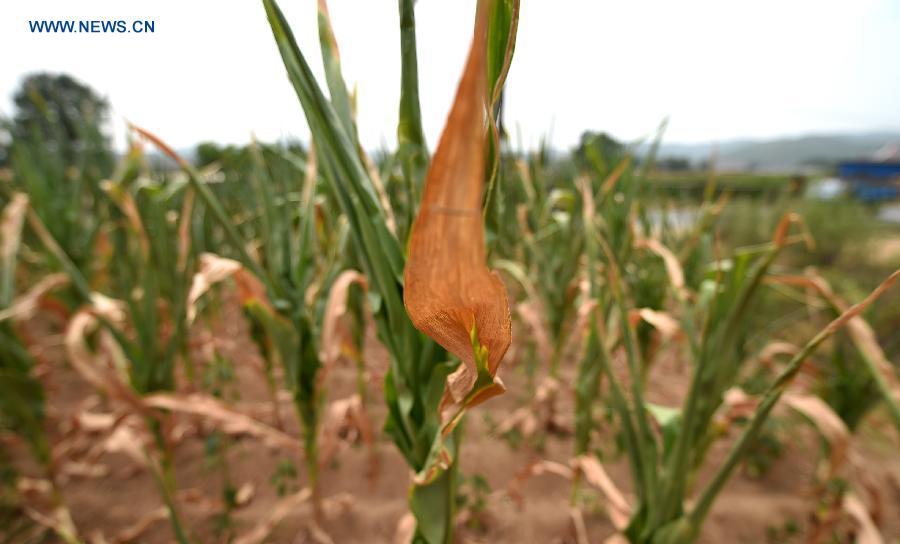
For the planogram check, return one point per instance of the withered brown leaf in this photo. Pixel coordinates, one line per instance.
(449, 290)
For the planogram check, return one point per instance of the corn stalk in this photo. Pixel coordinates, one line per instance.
(419, 367)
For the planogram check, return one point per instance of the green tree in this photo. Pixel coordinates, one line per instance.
(66, 117)
(598, 151)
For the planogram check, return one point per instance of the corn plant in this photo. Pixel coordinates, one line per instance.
(281, 321)
(713, 319)
(22, 394)
(22, 399)
(544, 251)
(153, 264)
(618, 212)
(616, 199)
(879, 370)
(144, 328)
(300, 251)
(419, 367)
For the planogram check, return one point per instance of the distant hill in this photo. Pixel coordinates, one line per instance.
(785, 153)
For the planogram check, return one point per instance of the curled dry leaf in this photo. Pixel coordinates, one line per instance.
(98, 369)
(282, 509)
(617, 507)
(439, 461)
(531, 313)
(230, 421)
(539, 414)
(867, 530)
(449, 292)
(673, 266)
(336, 339)
(24, 307)
(829, 424)
(346, 422)
(667, 325)
(775, 349)
(860, 331)
(129, 442)
(215, 269)
(536, 468)
(736, 404)
(11, 221)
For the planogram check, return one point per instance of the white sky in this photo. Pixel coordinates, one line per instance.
(718, 68)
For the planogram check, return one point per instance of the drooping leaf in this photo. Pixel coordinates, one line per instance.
(331, 57)
(449, 290)
(830, 425)
(334, 338)
(411, 145)
(11, 222)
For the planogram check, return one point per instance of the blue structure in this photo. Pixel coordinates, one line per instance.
(871, 181)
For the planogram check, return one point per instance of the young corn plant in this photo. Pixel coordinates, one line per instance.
(622, 237)
(22, 402)
(297, 254)
(153, 260)
(713, 318)
(23, 397)
(880, 375)
(274, 287)
(544, 255)
(143, 329)
(416, 385)
(614, 200)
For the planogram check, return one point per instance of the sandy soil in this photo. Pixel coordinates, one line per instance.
(360, 509)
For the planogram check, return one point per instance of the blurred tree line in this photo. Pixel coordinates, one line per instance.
(63, 116)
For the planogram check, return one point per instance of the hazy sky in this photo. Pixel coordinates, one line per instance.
(719, 69)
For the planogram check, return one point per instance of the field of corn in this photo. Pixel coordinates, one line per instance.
(471, 343)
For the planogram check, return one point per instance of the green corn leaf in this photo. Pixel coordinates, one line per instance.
(411, 144)
(22, 406)
(340, 98)
(503, 22)
(345, 173)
